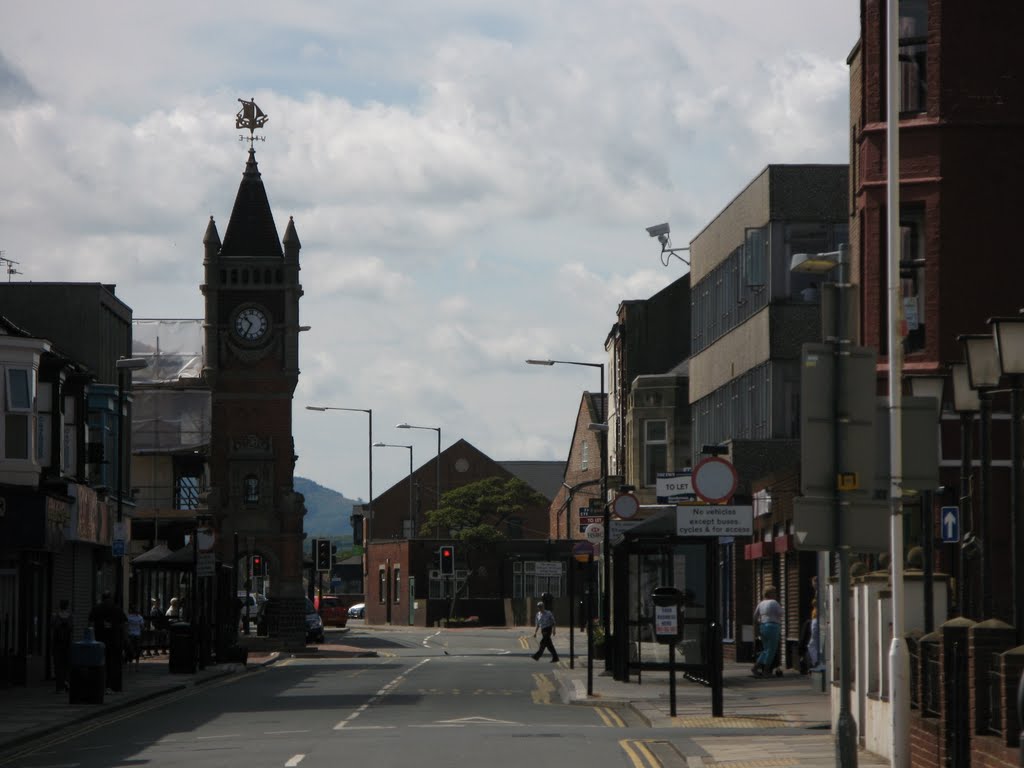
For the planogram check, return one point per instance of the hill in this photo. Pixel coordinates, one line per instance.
(327, 511)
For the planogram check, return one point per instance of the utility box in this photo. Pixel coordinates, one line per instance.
(87, 673)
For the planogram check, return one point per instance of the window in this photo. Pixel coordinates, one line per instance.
(382, 585)
(655, 450)
(527, 583)
(912, 276)
(18, 416)
(585, 454)
(186, 492)
(252, 489)
(398, 585)
(913, 56)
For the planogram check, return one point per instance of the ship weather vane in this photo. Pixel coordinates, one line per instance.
(252, 117)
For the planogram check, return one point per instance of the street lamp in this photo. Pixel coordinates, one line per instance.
(966, 403)
(369, 451)
(983, 375)
(405, 425)
(606, 604)
(1009, 337)
(412, 529)
(932, 386)
(124, 366)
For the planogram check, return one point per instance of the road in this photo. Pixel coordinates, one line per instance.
(435, 698)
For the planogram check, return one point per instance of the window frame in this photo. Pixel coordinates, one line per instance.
(650, 473)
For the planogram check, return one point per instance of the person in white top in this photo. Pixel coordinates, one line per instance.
(768, 624)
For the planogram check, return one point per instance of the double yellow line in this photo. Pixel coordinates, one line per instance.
(610, 717)
(639, 754)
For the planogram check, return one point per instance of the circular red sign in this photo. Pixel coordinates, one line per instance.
(715, 480)
(625, 505)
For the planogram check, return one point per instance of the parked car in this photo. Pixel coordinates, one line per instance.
(314, 624)
(357, 611)
(332, 610)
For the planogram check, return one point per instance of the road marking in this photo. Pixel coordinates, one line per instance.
(542, 693)
(379, 695)
(294, 761)
(524, 642)
(610, 717)
(639, 754)
(219, 736)
(476, 721)
(285, 733)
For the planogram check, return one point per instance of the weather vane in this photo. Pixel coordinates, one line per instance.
(252, 117)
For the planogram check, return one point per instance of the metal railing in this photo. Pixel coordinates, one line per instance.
(992, 717)
(931, 688)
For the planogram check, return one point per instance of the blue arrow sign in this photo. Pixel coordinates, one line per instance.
(949, 522)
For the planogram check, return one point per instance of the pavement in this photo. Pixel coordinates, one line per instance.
(777, 721)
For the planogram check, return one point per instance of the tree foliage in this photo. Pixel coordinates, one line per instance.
(477, 513)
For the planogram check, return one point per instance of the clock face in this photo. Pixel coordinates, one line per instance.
(251, 324)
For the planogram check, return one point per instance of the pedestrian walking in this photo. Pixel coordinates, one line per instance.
(545, 622)
(62, 628)
(134, 648)
(767, 624)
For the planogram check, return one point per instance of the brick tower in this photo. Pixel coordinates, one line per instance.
(251, 329)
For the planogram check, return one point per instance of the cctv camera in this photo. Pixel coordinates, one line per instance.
(658, 230)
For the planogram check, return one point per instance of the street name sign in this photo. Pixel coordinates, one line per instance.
(715, 520)
(547, 568)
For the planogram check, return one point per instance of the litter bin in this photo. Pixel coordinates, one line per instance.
(182, 647)
(87, 675)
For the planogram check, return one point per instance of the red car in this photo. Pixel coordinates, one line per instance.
(332, 610)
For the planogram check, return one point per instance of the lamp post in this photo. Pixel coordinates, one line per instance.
(412, 528)
(966, 403)
(437, 461)
(933, 386)
(1009, 338)
(370, 455)
(983, 374)
(606, 598)
(124, 366)
(834, 330)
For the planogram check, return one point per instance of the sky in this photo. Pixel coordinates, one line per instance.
(470, 180)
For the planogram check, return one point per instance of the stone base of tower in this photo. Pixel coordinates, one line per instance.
(286, 622)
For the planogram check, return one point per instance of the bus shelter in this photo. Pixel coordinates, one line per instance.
(648, 555)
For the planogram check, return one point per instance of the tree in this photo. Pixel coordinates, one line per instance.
(474, 515)
(476, 512)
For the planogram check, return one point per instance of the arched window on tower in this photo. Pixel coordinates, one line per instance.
(252, 489)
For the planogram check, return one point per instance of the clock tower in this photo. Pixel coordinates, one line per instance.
(251, 332)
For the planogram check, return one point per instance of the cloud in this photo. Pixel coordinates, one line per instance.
(470, 179)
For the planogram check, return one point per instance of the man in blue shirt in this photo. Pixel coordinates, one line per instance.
(546, 624)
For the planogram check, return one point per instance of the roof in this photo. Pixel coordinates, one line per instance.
(543, 476)
(251, 231)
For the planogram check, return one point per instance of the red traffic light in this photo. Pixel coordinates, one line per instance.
(446, 552)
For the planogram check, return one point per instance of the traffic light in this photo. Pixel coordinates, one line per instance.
(257, 565)
(323, 554)
(447, 561)
(357, 529)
